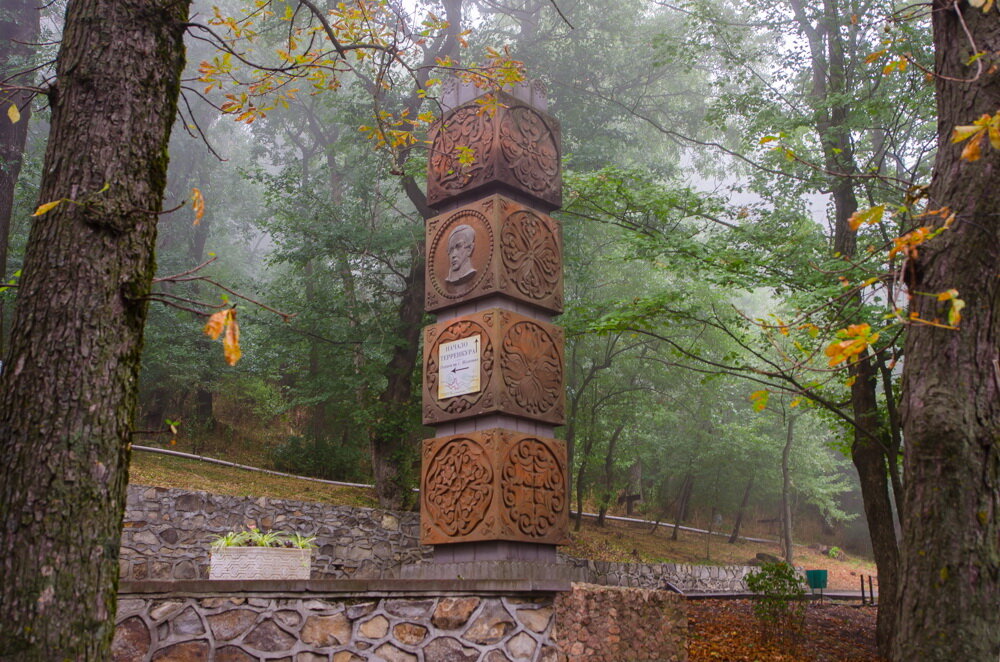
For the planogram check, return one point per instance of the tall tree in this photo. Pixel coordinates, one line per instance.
(68, 392)
(950, 567)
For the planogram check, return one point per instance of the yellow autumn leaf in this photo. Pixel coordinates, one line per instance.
(955, 312)
(964, 132)
(14, 114)
(231, 341)
(759, 399)
(947, 295)
(972, 150)
(216, 323)
(198, 205)
(47, 207)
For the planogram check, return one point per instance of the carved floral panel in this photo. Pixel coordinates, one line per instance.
(515, 148)
(494, 246)
(493, 485)
(520, 362)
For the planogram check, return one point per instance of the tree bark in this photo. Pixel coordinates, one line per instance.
(786, 492)
(951, 379)
(68, 390)
(682, 504)
(830, 104)
(19, 26)
(739, 515)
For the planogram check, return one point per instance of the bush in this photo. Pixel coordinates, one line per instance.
(780, 598)
(321, 458)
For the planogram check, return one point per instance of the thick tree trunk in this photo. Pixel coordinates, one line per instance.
(68, 390)
(951, 380)
(393, 432)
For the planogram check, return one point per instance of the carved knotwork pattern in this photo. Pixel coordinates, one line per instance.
(467, 127)
(532, 368)
(529, 148)
(530, 254)
(457, 331)
(533, 488)
(459, 487)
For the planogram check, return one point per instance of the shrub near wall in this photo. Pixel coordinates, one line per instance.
(167, 533)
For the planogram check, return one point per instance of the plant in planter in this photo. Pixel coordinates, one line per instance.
(257, 554)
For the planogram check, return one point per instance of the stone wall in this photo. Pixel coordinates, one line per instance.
(193, 622)
(682, 577)
(167, 533)
(613, 624)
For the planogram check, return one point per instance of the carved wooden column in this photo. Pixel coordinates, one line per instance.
(493, 480)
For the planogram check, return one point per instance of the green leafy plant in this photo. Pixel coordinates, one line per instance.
(779, 602)
(255, 538)
(835, 552)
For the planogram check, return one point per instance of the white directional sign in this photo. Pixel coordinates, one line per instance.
(459, 367)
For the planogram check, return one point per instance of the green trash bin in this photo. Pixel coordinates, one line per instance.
(816, 579)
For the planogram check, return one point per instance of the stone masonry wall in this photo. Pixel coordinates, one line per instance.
(591, 623)
(683, 577)
(167, 533)
(613, 624)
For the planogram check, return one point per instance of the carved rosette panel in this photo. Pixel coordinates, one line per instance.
(533, 488)
(527, 353)
(458, 486)
(531, 364)
(493, 484)
(529, 149)
(466, 128)
(517, 252)
(532, 259)
(516, 148)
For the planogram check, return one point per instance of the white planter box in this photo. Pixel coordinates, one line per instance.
(260, 563)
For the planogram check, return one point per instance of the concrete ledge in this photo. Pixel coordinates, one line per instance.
(344, 588)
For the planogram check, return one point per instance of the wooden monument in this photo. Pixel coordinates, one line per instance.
(493, 481)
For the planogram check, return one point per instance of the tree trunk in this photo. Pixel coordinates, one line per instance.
(19, 24)
(786, 493)
(869, 458)
(682, 504)
(832, 112)
(609, 465)
(68, 393)
(739, 514)
(951, 379)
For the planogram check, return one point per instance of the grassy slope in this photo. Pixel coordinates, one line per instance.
(615, 542)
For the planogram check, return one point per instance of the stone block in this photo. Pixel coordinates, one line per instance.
(520, 362)
(390, 653)
(514, 149)
(189, 651)
(131, 641)
(494, 246)
(446, 649)
(374, 628)
(491, 626)
(493, 485)
(326, 630)
(230, 624)
(453, 613)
